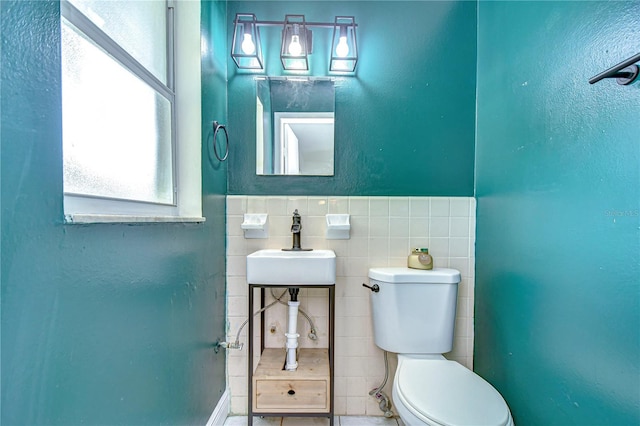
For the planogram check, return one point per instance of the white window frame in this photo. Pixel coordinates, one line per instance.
(80, 209)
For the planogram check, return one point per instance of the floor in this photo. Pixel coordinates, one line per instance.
(314, 421)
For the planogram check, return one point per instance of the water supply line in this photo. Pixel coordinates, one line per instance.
(237, 344)
(384, 403)
(278, 299)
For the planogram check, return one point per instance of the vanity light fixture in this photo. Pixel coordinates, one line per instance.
(344, 47)
(296, 43)
(246, 49)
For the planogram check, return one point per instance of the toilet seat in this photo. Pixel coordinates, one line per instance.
(443, 392)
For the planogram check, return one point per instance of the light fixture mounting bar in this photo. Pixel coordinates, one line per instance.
(308, 24)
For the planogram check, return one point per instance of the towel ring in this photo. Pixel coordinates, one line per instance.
(216, 128)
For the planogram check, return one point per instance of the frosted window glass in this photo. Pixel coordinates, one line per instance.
(138, 26)
(116, 129)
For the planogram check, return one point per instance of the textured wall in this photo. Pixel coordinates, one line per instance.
(101, 324)
(557, 250)
(404, 123)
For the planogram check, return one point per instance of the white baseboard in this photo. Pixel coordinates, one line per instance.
(221, 411)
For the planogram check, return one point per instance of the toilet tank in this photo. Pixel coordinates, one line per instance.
(414, 310)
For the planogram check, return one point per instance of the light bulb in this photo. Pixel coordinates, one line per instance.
(294, 47)
(247, 45)
(342, 49)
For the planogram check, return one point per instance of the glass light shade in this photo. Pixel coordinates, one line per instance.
(296, 44)
(245, 47)
(344, 46)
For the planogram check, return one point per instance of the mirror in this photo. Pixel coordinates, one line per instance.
(295, 127)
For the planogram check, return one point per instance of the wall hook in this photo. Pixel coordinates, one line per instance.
(216, 128)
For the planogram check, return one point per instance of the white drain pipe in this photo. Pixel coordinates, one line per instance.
(292, 337)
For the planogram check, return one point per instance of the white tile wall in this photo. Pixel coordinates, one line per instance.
(383, 231)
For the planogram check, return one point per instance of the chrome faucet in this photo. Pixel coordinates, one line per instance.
(296, 227)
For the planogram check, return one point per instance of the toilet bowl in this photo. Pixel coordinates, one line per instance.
(414, 316)
(439, 392)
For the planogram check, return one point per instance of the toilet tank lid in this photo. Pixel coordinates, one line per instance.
(408, 275)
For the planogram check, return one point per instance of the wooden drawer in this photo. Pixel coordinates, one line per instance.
(291, 396)
(305, 390)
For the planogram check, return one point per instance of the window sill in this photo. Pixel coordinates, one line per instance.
(83, 219)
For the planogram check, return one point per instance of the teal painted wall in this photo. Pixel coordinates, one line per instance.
(558, 235)
(405, 123)
(101, 324)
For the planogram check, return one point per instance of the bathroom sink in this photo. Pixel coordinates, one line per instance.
(272, 266)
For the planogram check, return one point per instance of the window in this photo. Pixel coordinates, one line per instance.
(131, 110)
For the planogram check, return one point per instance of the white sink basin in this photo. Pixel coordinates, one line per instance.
(273, 266)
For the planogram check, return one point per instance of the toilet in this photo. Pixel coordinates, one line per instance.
(414, 315)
